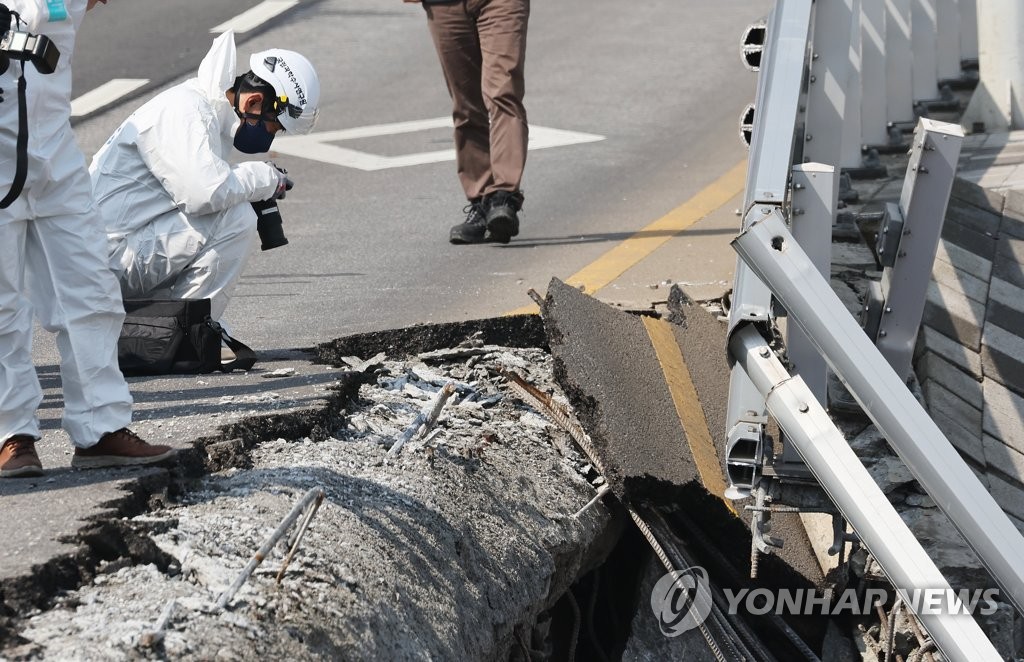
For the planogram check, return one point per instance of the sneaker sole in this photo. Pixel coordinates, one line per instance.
(459, 241)
(502, 228)
(24, 472)
(101, 461)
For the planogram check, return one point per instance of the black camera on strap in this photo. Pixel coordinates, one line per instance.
(40, 51)
(37, 49)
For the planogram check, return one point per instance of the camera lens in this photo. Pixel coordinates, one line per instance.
(269, 224)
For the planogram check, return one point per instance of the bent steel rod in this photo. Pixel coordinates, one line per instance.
(769, 249)
(840, 472)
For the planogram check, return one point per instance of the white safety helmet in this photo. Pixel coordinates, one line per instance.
(296, 84)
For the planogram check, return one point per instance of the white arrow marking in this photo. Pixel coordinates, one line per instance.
(319, 147)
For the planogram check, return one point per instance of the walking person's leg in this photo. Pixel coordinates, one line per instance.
(502, 27)
(454, 31)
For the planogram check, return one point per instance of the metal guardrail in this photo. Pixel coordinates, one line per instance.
(804, 127)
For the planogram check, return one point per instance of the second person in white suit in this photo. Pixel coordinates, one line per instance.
(178, 214)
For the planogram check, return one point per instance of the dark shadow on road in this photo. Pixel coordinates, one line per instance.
(533, 242)
(66, 478)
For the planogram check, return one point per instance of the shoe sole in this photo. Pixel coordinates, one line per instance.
(502, 227)
(24, 472)
(100, 461)
(459, 241)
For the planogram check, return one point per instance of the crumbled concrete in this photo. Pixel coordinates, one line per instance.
(447, 551)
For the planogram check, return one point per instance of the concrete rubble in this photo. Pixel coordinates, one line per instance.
(448, 550)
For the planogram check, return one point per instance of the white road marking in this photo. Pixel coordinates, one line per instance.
(255, 17)
(319, 147)
(105, 94)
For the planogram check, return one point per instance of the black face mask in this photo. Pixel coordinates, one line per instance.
(250, 138)
(253, 138)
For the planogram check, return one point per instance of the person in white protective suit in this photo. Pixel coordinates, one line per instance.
(179, 216)
(52, 250)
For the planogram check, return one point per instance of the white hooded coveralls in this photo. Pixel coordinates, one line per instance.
(178, 217)
(52, 251)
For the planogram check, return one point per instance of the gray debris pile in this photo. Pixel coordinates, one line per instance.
(447, 549)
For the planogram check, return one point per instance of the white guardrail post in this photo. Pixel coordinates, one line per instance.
(772, 253)
(873, 82)
(948, 39)
(998, 101)
(899, 92)
(841, 474)
(968, 29)
(925, 72)
(783, 63)
(908, 239)
(832, 129)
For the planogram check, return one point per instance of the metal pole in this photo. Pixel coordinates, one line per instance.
(815, 198)
(872, 60)
(830, 89)
(923, 200)
(899, 96)
(839, 471)
(948, 38)
(772, 253)
(925, 74)
(777, 110)
(998, 101)
(968, 29)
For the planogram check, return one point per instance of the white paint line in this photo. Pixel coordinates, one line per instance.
(255, 17)
(105, 94)
(320, 147)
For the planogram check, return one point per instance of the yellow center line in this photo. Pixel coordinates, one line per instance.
(688, 409)
(635, 248)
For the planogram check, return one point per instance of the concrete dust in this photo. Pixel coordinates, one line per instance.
(449, 550)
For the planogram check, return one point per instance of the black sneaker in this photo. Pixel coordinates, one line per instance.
(502, 215)
(473, 229)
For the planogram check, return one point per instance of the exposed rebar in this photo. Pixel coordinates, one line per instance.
(317, 493)
(425, 419)
(555, 413)
(571, 655)
(298, 535)
(891, 633)
(659, 551)
(153, 637)
(601, 491)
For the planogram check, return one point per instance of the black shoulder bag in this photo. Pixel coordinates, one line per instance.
(173, 336)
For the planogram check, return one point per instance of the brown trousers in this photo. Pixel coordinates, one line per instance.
(482, 48)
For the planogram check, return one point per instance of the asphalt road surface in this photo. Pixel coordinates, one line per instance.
(650, 96)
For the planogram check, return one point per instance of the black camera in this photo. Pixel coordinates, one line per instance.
(269, 224)
(37, 49)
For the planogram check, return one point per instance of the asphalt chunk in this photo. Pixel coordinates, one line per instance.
(618, 377)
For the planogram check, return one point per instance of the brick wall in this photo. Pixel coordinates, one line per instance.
(970, 352)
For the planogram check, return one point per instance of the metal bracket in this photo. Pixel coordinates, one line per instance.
(890, 233)
(744, 457)
(871, 313)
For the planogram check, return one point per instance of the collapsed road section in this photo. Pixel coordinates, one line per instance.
(507, 489)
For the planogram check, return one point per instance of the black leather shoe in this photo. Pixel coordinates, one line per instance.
(503, 215)
(473, 230)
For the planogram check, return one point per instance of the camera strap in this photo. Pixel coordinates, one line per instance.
(21, 169)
